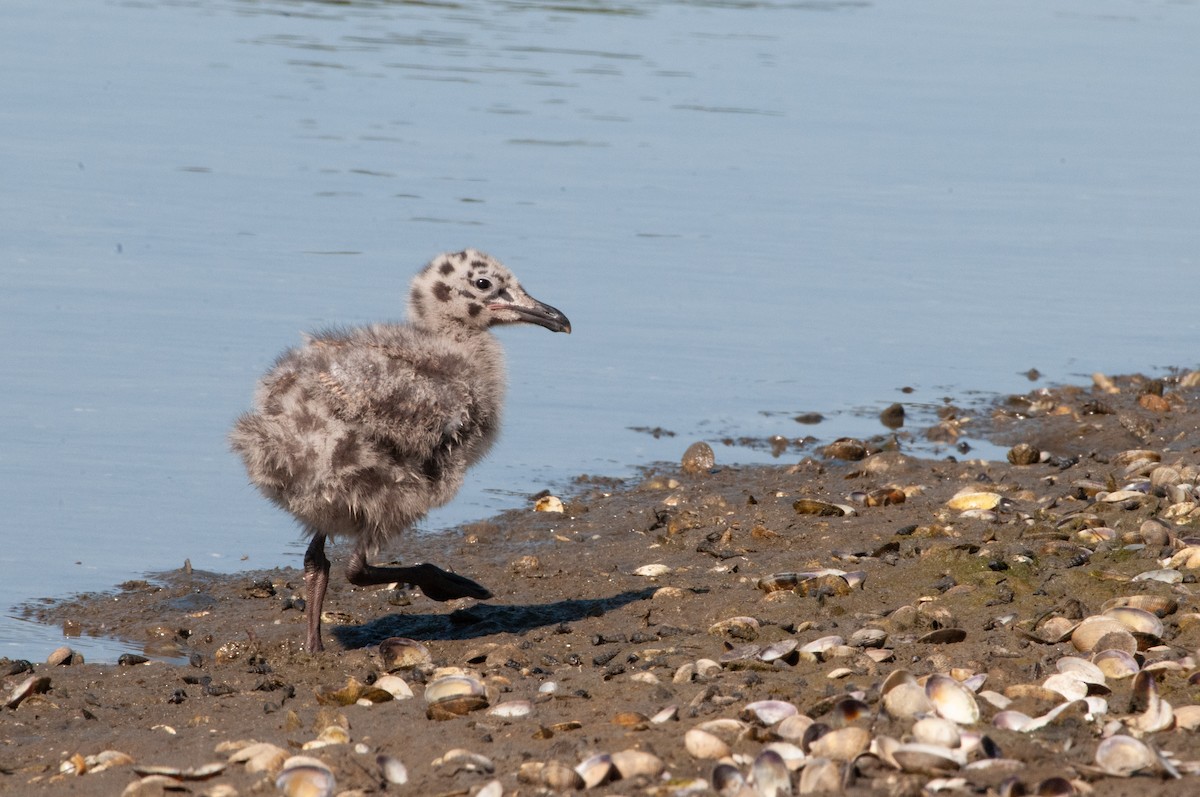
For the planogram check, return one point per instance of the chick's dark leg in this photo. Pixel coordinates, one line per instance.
(435, 582)
(316, 579)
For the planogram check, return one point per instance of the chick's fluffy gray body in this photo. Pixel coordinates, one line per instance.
(360, 432)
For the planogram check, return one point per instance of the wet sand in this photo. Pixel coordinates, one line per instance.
(619, 644)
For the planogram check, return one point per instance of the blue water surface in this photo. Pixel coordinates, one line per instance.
(747, 209)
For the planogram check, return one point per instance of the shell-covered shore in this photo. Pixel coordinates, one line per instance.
(855, 620)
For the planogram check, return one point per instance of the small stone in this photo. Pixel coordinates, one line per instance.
(1024, 454)
(846, 448)
(893, 416)
(698, 459)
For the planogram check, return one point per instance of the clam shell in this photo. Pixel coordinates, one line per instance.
(768, 712)
(462, 760)
(743, 628)
(770, 774)
(927, 759)
(400, 653)
(511, 709)
(778, 650)
(937, 731)
(597, 770)
(821, 775)
(303, 776)
(1116, 664)
(727, 780)
(809, 506)
(632, 763)
(1140, 622)
(392, 769)
(1088, 635)
(704, 745)
(457, 688)
(907, 700)
(548, 503)
(843, 744)
(1123, 756)
(793, 728)
(1067, 685)
(652, 571)
(974, 500)
(952, 700)
(395, 686)
(1157, 605)
(1080, 669)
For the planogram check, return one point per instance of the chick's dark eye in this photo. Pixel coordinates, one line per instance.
(483, 283)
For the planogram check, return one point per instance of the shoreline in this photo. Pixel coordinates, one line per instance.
(677, 592)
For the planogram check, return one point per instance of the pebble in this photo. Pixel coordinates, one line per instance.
(698, 459)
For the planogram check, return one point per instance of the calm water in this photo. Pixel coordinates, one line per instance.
(748, 210)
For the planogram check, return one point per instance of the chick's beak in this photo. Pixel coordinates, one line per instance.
(532, 311)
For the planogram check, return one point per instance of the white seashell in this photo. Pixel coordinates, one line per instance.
(974, 500)
(460, 760)
(769, 712)
(1066, 685)
(665, 715)
(793, 728)
(952, 700)
(995, 699)
(1167, 576)
(493, 788)
(792, 755)
(548, 688)
(511, 709)
(1123, 756)
(303, 776)
(1078, 708)
(744, 628)
(725, 728)
(927, 759)
(1116, 664)
(843, 744)
(1118, 496)
(548, 503)
(1087, 635)
(937, 731)
(727, 780)
(839, 672)
(261, 757)
(597, 770)
(704, 745)
(821, 775)
(392, 769)
(777, 650)
(394, 685)
(1012, 720)
(907, 700)
(453, 686)
(819, 647)
(1187, 718)
(652, 571)
(1138, 621)
(770, 775)
(1081, 669)
(632, 763)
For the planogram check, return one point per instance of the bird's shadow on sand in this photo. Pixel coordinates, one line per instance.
(482, 620)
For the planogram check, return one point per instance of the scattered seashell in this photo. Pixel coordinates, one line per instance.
(64, 656)
(511, 709)
(937, 731)
(943, 636)
(793, 728)
(303, 776)
(203, 772)
(652, 571)
(395, 686)
(727, 780)
(548, 503)
(927, 759)
(392, 769)
(1141, 623)
(843, 744)
(462, 760)
(1166, 575)
(451, 696)
(634, 763)
(704, 745)
(974, 500)
(743, 628)
(907, 700)
(770, 775)
(399, 653)
(1123, 756)
(811, 506)
(1088, 634)
(821, 775)
(768, 712)
(952, 700)
(1067, 685)
(597, 770)
(261, 757)
(33, 685)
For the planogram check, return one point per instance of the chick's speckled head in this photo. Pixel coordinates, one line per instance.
(471, 290)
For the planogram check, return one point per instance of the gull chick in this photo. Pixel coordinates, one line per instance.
(358, 433)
